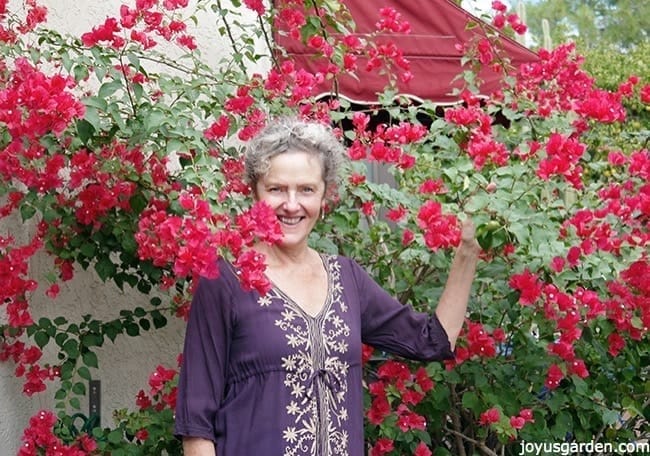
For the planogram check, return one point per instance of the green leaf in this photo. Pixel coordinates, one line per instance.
(80, 72)
(60, 395)
(105, 268)
(175, 145)
(154, 120)
(132, 329)
(41, 338)
(115, 436)
(67, 369)
(91, 340)
(95, 102)
(144, 286)
(139, 312)
(138, 202)
(60, 338)
(90, 359)
(27, 211)
(84, 373)
(563, 425)
(113, 329)
(88, 249)
(75, 403)
(86, 130)
(134, 60)
(159, 320)
(610, 417)
(71, 348)
(471, 401)
(79, 388)
(109, 88)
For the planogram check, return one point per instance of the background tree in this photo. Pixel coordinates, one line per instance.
(621, 23)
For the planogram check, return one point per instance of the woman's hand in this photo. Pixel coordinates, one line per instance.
(468, 240)
(453, 302)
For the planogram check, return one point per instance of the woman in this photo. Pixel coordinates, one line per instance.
(281, 374)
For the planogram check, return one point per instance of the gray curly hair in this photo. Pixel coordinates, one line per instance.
(290, 134)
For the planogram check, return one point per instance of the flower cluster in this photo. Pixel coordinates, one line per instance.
(476, 342)
(570, 312)
(141, 25)
(501, 19)
(39, 438)
(494, 417)
(33, 105)
(440, 230)
(562, 157)
(481, 145)
(193, 242)
(572, 89)
(162, 393)
(396, 392)
(392, 21)
(36, 14)
(186, 242)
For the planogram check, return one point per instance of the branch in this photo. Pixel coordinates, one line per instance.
(233, 42)
(460, 446)
(127, 84)
(422, 271)
(480, 445)
(269, 43)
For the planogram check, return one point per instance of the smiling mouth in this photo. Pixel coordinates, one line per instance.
(291, 221)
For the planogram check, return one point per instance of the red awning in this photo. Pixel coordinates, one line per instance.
(437, 27)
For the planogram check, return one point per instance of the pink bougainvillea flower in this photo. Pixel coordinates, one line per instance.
(616, 344)
(517, 422)
(159, 378)
(422, 450)
(378, 411)
(490, 416)
(645, 94)
(527, 415)
(256, 5)
(250, 270)
(383, 446)
(528, 285)
(440, 230)
(553, 377)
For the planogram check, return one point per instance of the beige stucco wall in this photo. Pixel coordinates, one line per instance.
(126, 365)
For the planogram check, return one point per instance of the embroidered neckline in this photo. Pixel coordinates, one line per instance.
(328, 297)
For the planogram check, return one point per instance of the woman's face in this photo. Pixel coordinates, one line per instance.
(295, 189)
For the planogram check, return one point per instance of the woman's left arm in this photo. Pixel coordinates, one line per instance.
(455, 296)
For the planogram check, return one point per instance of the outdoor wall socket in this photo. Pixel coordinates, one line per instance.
(95, 400)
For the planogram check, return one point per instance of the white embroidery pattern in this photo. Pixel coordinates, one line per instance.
(316, 374)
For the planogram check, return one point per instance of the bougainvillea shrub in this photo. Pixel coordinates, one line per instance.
(122, 149)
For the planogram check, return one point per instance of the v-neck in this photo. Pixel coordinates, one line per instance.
(289, 300)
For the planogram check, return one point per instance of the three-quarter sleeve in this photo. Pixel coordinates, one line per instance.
(390, 326)
(205, 359)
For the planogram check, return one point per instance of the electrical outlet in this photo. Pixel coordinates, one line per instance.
(95, 400)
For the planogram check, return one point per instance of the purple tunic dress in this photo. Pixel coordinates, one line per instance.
(262, 377)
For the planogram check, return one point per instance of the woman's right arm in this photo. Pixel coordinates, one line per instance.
(203, 368)
(196, 446)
